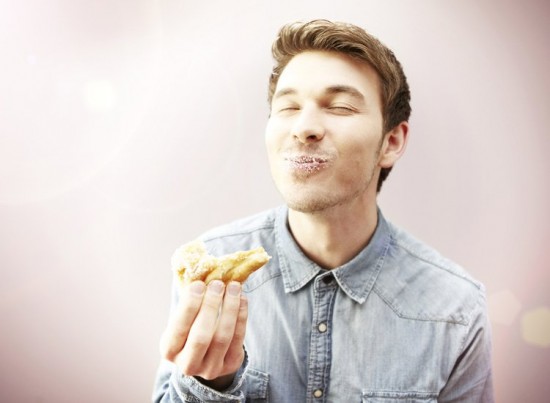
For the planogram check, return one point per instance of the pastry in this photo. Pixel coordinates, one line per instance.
(191, 262)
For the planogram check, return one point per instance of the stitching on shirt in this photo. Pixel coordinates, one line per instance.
(283, 262)
(250, 286)
(261, 379)
(396, 394)
(373, 277)
(463, 345)
(397, 243)
(386, 300)
(459, 318)
(482, 381)
(266, 226)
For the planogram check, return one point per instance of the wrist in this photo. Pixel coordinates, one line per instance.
(221, 383)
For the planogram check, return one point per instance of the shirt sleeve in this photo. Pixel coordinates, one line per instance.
(172, 387)
(471, 378)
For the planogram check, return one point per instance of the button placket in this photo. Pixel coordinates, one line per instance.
(320, 358)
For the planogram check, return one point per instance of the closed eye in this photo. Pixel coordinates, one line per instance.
(341, 109)
(288, 109)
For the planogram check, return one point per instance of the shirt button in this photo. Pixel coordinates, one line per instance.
(318, 393)
(322, 328)
(328, 279)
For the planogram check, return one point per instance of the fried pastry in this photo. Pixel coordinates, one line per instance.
(191, 262)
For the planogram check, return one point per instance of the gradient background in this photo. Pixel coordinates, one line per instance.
(129, 127)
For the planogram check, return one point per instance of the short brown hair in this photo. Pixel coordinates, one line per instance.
(355, 42)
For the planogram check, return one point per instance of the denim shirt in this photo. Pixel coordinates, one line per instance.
(397, 323)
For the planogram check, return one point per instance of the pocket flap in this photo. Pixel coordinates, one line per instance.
(387, 396)
(257, 383)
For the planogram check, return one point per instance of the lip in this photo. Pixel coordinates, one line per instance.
(307, 164)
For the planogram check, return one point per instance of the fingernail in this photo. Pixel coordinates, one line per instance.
(234, 288)
(216, 287)
(197, 288)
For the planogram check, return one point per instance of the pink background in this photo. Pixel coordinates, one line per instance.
(129, 127)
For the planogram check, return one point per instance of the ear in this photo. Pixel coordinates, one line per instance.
(393, 145)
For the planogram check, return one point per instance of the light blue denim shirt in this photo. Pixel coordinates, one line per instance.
(398, 323)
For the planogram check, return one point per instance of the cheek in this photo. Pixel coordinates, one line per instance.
(271, 144)
(361, 157)
(273, 135)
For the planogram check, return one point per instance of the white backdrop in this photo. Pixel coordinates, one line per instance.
(129, 127)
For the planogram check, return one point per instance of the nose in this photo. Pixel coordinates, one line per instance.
(308, 126)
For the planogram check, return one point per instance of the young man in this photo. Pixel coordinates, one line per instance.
(350, 308)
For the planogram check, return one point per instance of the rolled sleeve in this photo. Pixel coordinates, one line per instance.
(172, 387)
(471, 378)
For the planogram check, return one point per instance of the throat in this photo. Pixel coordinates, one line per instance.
(331, 242)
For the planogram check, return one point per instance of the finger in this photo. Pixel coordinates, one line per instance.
(226, 327)
(202, 330)
(175, 335)
(235, 353)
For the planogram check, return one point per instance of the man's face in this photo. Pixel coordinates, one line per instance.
(325, 132)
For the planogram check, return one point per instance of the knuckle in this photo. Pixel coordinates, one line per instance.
(169, 354)
(166, 349)
(220, 340)
(188, 366)
(165, 352)
(234, 359)
(212, 303)
(196, 368)
(210, 373)
(188, 369)
(198, 344)
(240, 333)
(179, 334)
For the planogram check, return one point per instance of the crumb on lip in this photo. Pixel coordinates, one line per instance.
(307, 164)
(307, 159)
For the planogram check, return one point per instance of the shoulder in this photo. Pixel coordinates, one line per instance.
(244, 233)
(420, 283)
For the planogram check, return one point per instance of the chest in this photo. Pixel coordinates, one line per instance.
(321, 342)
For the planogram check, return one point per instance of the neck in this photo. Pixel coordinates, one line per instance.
(334, 236)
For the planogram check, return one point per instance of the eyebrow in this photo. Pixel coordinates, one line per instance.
(345, 89)
(283, 92)
(331, 90)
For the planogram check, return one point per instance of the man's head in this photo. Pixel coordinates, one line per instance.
(348, 39)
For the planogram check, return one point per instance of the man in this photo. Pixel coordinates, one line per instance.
(350, 308)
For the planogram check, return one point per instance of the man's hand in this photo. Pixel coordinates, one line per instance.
(205, 334)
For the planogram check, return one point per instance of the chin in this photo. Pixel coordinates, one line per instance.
(311, 204)
(317, 200)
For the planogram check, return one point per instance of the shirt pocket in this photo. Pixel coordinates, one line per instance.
(257, 386)
(385, 396)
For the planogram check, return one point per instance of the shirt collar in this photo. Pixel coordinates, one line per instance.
(356, 277)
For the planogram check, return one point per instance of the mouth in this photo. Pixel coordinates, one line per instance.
(307, 164)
